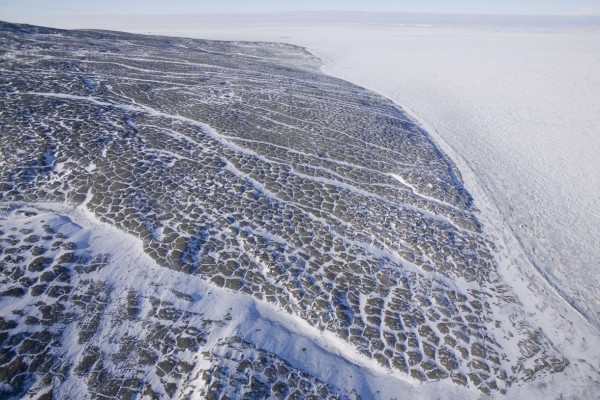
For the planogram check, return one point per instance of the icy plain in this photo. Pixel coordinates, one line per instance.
(155, 123)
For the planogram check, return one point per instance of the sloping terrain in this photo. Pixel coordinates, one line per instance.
(265, 230)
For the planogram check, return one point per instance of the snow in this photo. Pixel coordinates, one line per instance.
(521, 109)
(516, 108)
(513, 99)
(320, 353)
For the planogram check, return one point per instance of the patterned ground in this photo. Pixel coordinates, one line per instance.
(242, 165)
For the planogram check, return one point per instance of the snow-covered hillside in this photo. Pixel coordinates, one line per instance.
(187, 218)
(514, 99)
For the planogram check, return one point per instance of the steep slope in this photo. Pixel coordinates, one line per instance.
(243, 179)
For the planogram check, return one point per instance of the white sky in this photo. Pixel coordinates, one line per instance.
(133, 7)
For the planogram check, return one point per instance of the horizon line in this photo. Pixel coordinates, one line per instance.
(588, 15)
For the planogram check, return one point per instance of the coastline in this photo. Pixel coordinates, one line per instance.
(544, 306)
(563, 322)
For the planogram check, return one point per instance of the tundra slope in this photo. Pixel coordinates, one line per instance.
(243, 167)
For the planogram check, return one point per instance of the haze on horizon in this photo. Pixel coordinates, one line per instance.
(10, 8)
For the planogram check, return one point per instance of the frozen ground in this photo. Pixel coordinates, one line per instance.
(104, 86)
(514, 99)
